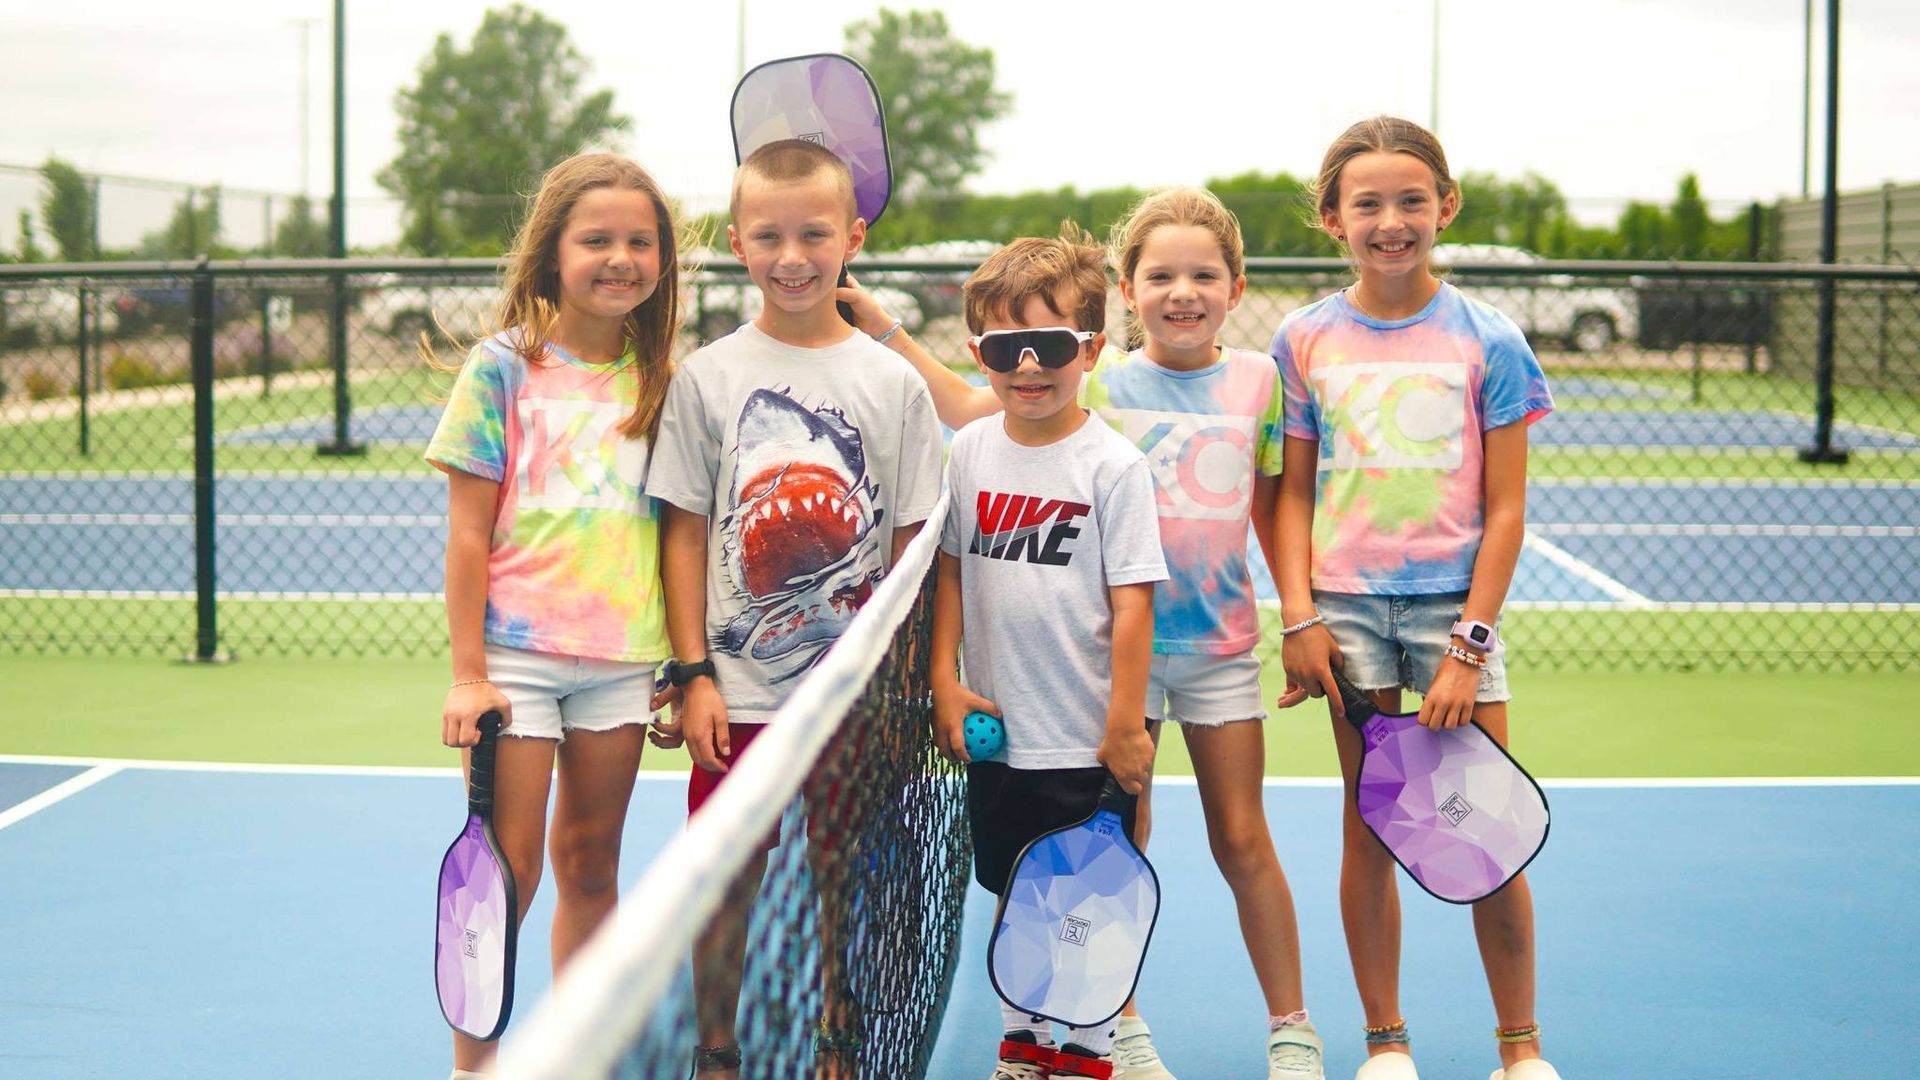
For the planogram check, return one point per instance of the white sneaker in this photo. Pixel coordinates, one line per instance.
(1133, 1056)
(1022, 1057)
(1294, 1053)
(1392, 1065)
(1531, 1069)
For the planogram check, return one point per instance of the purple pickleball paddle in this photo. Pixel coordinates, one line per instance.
(824, 98)
(478, 922)
(1454, 809)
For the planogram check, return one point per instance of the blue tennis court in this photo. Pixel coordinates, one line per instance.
(194, 921)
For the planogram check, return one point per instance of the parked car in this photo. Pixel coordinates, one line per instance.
(406, 307)
(1552, 307)
(1708, 312)
(43, 314)
(169, 308)
(939, 293)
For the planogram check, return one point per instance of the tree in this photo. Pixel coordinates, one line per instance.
(67, 210)
(301, 235)
(1690, 220)
(937, 92)
(482, 125)
(193, 230)
(29, 247)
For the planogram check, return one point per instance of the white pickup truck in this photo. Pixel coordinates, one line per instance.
(1588, 318)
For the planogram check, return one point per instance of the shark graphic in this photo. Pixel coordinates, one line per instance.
(802, 543)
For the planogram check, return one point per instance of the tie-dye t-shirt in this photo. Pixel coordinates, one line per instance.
(1398, 408)
(1206, 434)
(574, 565)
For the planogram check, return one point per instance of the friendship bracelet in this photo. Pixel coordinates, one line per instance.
(470, 682)
(1528, 1033)
(1289, 631)
(888, 336)
(1470, 659)
(1386, 1034)
(1292, 1019)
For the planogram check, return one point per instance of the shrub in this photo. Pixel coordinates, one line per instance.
(41, 386)
(127, 371)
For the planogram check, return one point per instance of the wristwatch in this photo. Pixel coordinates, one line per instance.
(1478, 636)
(680, 673)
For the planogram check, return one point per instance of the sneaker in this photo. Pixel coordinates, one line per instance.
(1294, 1053)
(1531, 1069)
(1024, 1057)
(1392, 1065)
(1133, 1056)
(1077, 1061)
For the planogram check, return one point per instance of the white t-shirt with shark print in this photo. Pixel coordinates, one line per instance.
(804, 461)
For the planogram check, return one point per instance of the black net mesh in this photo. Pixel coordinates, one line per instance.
(834, 954)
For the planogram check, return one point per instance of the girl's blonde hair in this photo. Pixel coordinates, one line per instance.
(1382, 134)
(1173, 206)
(531, 300)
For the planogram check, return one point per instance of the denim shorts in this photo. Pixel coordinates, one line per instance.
(1388, 641)
(553, 694)
(1204, 690)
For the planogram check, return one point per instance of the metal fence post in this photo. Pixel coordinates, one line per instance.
(82, 339)
(207, 632)
(1823, 452)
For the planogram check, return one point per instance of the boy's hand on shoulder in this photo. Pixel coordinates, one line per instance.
(951, 705)
(868, 316)
(703, 724)
(1449, 701)
(1127, 752)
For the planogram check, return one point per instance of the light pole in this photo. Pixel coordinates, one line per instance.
(306, 113)
(1433, 93)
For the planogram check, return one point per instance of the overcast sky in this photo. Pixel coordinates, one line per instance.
(1610, 99)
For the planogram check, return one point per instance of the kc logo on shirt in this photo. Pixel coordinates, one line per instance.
(573, 456)
(1202, 465)
(1394, 416)
(1016, 527)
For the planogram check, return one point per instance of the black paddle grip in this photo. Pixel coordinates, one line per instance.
(1114, 797)
(1357, 705)
(480, 765)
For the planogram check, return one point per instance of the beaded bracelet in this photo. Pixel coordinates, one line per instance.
(1471, 659)
(1524, 1034)
(1385, 1034)
(888, 335)
(470, 682)
(1289, 631)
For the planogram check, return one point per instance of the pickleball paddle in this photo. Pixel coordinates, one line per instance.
(478, 910)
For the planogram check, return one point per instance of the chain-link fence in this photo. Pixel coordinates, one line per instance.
(225, 457)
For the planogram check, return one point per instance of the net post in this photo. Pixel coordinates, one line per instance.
(1823, 452)
(206, 630)
(84, 337)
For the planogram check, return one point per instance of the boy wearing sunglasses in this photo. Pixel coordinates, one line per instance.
(1047, 563)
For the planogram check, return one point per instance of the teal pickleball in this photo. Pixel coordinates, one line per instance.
(985, 736)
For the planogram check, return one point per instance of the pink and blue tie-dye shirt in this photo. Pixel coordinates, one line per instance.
(1206, 434)
(574, 565)
(1398, 409)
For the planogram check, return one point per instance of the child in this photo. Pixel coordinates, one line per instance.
(1208, 419)
(1400, 519)
(1047, 502)
(553, 601)
(795, 458)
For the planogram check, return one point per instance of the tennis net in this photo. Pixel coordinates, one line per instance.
(854, 928)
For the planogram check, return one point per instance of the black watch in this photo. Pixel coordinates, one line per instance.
(680, 673)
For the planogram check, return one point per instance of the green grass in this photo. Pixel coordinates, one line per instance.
(383, 711)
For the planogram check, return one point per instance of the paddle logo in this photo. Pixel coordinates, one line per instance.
(1456, 808)
(1074, 930)
(813, 137)
(472, 945)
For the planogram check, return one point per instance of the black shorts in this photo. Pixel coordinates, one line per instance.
(1011, 807)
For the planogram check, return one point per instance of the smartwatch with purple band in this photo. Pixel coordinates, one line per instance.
(1478, 636)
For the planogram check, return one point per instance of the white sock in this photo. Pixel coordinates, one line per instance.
(1096, 1040)
(1012, 1020)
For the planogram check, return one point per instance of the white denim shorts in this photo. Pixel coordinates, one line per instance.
(554, 694)
(1401, 640)
(1203, 689)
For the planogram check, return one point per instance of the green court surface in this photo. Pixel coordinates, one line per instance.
(386, 712)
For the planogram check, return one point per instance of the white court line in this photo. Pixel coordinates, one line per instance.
(1597, 528)
(1713, 482)
(112, 765)
(54, 794)
(273, 520)
(1583, 570)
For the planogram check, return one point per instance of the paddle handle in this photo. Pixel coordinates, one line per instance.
(1356, 704)
(1114, 797)
(845, 310)
(480, 765)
